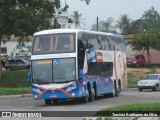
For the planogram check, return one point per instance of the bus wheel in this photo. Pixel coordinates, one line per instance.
(95, 91)
(85, 98)
(48, 102)
(91, 95)
(113, 94)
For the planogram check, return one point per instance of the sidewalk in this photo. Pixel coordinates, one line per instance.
(15, 96)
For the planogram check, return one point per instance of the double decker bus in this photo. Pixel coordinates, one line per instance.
(77, 64)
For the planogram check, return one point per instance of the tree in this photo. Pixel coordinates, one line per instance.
(105, 26)
(22, 18)
(145, 41)
(108, 27)
(76, 18)
(150, 20)
(124, 24)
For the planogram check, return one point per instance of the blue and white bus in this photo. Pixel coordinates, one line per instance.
(72, 64)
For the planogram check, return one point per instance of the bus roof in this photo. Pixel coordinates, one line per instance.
(51, 31)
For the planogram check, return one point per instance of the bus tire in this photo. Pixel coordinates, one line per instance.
(48, 101)
(85, 98)
(95, 90)
(113, 94)
(91, 95)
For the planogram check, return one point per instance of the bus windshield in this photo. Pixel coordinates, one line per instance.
(53, 71)
(54, 43)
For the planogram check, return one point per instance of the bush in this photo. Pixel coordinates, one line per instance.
(14, 79)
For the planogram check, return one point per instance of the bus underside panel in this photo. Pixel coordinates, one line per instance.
(71, 91)
(104, 85)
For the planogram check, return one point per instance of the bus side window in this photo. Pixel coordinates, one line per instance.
(81, 54)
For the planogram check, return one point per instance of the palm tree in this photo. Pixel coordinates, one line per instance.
(124, 24)
(76, 18)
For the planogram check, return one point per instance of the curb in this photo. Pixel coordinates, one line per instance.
(15, 96)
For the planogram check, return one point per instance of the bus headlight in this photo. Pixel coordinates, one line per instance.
(70, 88)
(37, 90)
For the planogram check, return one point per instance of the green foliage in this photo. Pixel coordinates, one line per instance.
(30, 16)
(146, 41)
(105, 26)
(77, 18)
(124, 24)
(150, 20)
(132, 80)
(145, 107)
(14, 79)
(10, 91)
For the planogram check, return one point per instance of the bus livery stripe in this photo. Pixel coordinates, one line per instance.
(39, 95)
(65, 92)
(115, 67)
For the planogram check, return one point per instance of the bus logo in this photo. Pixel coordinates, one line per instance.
(99, 57)
(91, 55)
(55, 61)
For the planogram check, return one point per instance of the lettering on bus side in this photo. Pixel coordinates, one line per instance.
(91, 55)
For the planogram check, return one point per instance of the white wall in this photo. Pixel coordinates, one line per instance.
(11, 46)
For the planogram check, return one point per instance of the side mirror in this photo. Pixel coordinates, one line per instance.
(29, 76)
(81, 73)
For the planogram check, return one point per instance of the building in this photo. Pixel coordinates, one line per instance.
(155, 55)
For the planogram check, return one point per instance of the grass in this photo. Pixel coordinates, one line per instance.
(139, 108)
(132, 80)
(11, 91)
(14, 79)
(14, 82)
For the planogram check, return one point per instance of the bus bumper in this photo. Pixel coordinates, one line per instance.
(58, 93)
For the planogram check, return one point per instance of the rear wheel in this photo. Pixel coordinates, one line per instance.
(95, 91)
(113, 94)
(91, 95)
(48, 102)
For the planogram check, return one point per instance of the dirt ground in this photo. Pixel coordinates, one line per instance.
(141, 72)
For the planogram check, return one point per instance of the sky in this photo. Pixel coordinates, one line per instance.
(104, 9)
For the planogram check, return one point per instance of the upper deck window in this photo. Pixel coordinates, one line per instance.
(54, 43)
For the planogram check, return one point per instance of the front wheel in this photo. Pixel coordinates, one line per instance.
(85, 98)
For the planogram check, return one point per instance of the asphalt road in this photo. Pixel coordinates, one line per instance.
(126, 97)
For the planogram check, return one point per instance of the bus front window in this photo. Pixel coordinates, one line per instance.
(54, 43)
(64, 70)
(42, 71)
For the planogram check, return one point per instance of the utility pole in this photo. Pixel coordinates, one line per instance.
(97, 23)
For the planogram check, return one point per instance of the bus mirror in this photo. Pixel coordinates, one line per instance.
(81, 73)
(29, 76)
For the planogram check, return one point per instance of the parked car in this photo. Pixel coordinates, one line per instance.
(17, 64)
(136, 60)
(151, 81)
